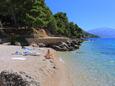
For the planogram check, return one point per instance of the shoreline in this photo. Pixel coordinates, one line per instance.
(61, 76)
(47, 72)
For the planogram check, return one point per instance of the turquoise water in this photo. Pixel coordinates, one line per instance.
(93, 64)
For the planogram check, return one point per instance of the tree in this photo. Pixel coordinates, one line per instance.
(62, 22)
(39, 15)
(14, 10)
(52, 26)
(36, 14)
(75, 30)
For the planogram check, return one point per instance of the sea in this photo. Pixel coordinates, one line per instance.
(93, 64)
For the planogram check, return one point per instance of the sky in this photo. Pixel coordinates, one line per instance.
(88, 14)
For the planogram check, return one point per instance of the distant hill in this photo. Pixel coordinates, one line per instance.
(104, 32)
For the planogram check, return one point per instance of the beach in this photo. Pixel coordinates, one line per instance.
(45, 72)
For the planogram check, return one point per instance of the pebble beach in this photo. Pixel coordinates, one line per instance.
(34, 70)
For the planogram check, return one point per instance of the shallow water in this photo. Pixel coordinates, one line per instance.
(93, 64)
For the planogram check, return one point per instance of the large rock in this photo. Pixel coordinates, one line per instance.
(18, 43)
(69, 45)
(63, 45)
(42, 45)
(58, 48)
(17, 79)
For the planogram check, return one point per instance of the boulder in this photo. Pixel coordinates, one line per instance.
(42, 45)
(58, 48)
(76, 46)
(68, 43)
(8, 78)
(71, 48)
(64, 45)
(34, 45)
(75, 42)
(8, 43)
(18, 43)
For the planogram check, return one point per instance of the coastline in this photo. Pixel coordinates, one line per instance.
(48, 72)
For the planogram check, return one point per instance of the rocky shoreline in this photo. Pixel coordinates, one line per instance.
(69, 45)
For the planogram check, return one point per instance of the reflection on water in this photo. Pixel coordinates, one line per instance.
(94, 63)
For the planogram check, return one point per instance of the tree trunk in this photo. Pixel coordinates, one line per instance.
(13, 16)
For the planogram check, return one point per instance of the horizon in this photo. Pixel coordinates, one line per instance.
(87, 14)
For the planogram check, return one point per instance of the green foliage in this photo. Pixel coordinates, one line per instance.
(62, 22)
(75, 30)
(39, 15)
(35, 13)
(52, 26)
(14, 10)
(88, 35)
(66, 28)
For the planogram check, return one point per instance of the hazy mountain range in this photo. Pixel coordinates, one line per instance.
(103, 32)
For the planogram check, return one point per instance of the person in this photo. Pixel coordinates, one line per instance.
(49, 55)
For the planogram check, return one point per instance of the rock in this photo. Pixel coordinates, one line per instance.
(75, 42)
(41, 45)
(34, 45)
(8, 43)
(71, 48)
(70, 45)
(58, 48)
(16, 79)
(18, 43)
(76, 46)
(63, 45)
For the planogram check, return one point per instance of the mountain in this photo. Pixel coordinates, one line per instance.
(104, 32)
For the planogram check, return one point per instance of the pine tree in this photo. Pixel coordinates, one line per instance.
(39, 15)
(14, 10)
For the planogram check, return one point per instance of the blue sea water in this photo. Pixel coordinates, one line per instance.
(94, 63)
